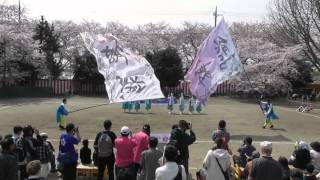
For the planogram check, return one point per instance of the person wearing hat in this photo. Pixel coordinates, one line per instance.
(142, 140)
(44, 136)
(315, 156)
(124, 151)
(265, 167)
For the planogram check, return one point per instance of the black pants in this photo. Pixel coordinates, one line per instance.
(23, 173)
(185, 163)
(102, 163)
(70, 171)
(53, 162)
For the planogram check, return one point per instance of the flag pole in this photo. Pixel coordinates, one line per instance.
(215, 17)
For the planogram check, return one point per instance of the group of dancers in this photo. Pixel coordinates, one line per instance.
(193, 104)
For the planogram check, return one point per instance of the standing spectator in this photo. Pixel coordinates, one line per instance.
(170, 170)
(301, 156)
(217, 162)
(315, 156)
(17, 133)
(221, 133)
(104, 144)
(285, 167)
(265, 167)
(34, 170)
(67, 153)
(124, 151)
(142, 140)
(85, 152)
(182, 140)
(52, 150)
(150, 160)
(8, 160)
(245, 151)
(43, 151)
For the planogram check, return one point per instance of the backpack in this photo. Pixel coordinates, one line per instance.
(105, 145)
(21, 150)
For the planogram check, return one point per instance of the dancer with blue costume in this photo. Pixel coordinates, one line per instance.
(61, 112)
(170, 103)
(130, 106)
(191, 105)
(137, 106)
(181, 103)
(198, 106)
(148, 104)
(125, 106)
(269, 113)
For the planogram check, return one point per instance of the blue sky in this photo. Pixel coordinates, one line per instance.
(133, 12)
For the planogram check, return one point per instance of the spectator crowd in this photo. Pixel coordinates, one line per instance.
(28, 154)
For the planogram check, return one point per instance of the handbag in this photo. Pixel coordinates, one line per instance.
(225, 174)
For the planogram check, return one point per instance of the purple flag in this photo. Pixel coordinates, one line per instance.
(216, 62)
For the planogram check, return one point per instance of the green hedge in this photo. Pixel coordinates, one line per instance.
(19, 91)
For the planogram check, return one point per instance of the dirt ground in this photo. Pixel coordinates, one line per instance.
(244, 118)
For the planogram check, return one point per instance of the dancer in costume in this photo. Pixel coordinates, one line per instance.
(137, 106)
(191, 105)
(170, 103)
(61, 112)
(125, 106)
(130, 104)
(148, 104)
(198, 106)
(270, 115)
(181, 103)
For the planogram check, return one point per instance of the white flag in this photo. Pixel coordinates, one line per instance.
(128, 77)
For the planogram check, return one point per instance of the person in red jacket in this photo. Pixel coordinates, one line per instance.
(142, 140)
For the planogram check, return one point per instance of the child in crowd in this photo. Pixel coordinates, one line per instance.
(51, 148)
(150, 160)
(309, 175)
(34, 170)
(245, 151)
(44, 155)
(85, 152)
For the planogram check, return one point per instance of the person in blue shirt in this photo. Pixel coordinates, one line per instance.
(61, 112)
(67, 153)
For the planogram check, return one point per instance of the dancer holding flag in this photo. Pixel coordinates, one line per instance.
(61, 112)
(270, 115)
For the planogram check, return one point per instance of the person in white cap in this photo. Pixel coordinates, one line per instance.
(124, 151)
(265, 167)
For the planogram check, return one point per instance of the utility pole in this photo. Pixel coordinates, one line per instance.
(19, 13)
(215, 16)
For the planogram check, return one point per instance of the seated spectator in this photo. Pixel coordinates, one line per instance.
(315, 156)
(51, 148)
(34, 170)
(301, 155)
(8, 160)
(85, 152)
(309, 174)
(217, 162)
(285, 167)
(150, 160)
(124, 151)
(265, 167)
(170, 170)
(245, 151)
(44, 157)
(296, 174)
